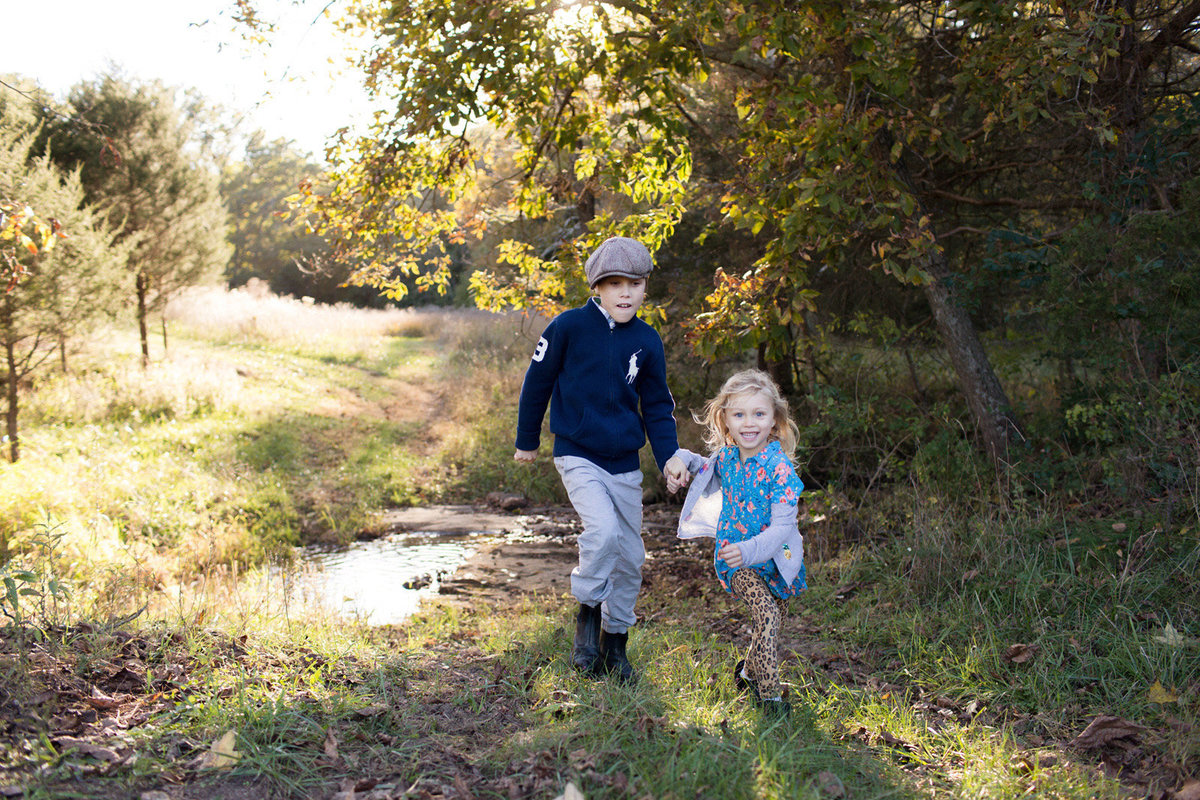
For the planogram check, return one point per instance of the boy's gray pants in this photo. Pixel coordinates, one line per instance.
(611, 552)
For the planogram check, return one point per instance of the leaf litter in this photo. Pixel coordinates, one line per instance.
(90, 690)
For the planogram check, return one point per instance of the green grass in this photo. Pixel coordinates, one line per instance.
(252, 436)
(957, 637)
(894, 696)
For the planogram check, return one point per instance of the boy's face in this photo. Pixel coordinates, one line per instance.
(620, 296)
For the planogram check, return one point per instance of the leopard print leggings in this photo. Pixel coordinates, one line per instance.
(766, 613)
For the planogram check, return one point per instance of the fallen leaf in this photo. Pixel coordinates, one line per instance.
(582, 760)
(830, 785)
(1119, 527)
(1020, 653)
(99, 699)
(1189, 791)
(331, 744)
(222, 753)
(371, 711)
(1170, 636)
(647, 723)
(1160, 694)
(571, 792)
(87, 749)
(844, 591)
(892, 740)
(1104, 729)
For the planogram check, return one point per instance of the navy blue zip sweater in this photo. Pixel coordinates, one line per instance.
(607, 390)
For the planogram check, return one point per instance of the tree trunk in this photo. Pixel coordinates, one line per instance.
(986, 399)
(913, 376)
(810, 352)
(62, 353)
(164, 332)
(142, 288)
(10, 416)
(779, 370)
(988, 403)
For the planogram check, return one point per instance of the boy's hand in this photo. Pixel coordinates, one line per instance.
(676, 473)
(731, 554)
(525, 455)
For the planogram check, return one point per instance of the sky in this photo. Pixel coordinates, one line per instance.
(289, 89)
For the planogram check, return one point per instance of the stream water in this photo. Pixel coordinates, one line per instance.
(381, 581)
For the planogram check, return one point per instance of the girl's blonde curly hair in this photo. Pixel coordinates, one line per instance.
(750, 381)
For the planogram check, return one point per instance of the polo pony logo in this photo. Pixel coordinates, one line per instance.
(633, 368)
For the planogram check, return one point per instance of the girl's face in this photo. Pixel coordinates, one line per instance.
(749, 420)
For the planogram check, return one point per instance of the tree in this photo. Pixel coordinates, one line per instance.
(139, 163)
(22, 230)
(892, 136)
(268, 241)
(64, 288)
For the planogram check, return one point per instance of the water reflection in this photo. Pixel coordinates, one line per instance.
(381, 581)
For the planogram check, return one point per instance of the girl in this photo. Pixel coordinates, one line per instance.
(745, 496)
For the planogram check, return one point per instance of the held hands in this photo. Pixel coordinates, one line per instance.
(676, 473)
(526, 456)
(731, 554)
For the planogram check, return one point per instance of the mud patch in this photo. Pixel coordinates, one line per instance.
(530, 553)
(452, 519)
(534, 552)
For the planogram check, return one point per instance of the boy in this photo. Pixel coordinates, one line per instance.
(603, 372)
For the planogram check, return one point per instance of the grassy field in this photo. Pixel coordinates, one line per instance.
(947, 648)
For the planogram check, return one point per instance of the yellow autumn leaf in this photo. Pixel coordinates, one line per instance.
(1170, 636)
(1160, 694)
(222, 754)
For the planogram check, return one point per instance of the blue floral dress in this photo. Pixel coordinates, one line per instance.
(748, 489)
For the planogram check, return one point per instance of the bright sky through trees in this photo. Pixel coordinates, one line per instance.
(288, 88)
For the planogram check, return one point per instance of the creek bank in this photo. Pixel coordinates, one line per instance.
(528, 553)
(534, 551)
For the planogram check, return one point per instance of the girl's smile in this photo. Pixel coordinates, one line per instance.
(749, 420)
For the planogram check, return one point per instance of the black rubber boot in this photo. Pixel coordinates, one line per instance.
(585, 656)
(743, 684)
(775, 709)
(613, 659)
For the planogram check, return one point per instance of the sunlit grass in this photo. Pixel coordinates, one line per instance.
(289, 679)
(269, 422)
(177, 488)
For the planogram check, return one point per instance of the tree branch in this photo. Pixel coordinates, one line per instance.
(1172, 33)
(1010, 202)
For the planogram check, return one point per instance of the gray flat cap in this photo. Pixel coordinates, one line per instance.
(618, 256)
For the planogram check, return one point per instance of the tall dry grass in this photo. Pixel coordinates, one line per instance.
(268, 421)
(251, 315)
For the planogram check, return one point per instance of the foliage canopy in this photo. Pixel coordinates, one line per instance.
(920, 141)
